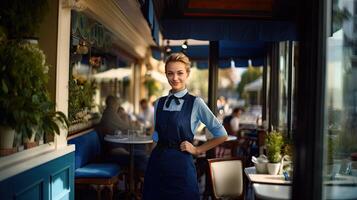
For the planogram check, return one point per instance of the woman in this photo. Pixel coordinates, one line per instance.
(171, 173)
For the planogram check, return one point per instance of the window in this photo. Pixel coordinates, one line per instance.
(340, 127)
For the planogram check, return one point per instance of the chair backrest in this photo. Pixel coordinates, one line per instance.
(227, 177)
(88, 147)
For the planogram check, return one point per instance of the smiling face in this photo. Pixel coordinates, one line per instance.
(177, 74)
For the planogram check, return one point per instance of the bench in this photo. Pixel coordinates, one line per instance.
(89, 169)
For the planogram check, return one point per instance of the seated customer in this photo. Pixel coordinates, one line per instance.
(125, 117)
(111, 120)
(235, 119)
(146, 115)
(231, 122)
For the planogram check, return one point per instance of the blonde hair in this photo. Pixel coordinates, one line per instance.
(179, 57)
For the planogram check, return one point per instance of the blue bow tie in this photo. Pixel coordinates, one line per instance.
(170, 99)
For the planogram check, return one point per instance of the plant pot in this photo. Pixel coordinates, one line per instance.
(261, 168)
(29, 145)
(30, 142)
(273, 168)
(20, 148)
(8, 151)
(7, 136)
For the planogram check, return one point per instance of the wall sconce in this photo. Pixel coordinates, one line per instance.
(233, 64)
(184, 45)
(167, 47)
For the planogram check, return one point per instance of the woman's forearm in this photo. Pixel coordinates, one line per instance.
(210, 144)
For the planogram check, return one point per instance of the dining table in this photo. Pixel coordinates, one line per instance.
(131, 140)
(203, 138)
(254, 177)
(283, 192)
(275, 187)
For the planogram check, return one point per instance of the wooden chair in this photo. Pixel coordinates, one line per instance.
(99, 184)
(231, 146)
(227, 178)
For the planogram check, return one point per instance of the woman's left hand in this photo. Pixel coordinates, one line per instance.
(187, 146)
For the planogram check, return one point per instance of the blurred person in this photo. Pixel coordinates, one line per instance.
(146, 114)
(171, 173)
(115, 118)
(231, 122)
(234, 123)
(222, 105)
(222, 108)
(125, 117)
(111, 120)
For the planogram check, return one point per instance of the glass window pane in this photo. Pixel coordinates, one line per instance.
(340, 132)
(295, 58)
(283, 85)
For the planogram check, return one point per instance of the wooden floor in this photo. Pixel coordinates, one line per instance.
(120, 194)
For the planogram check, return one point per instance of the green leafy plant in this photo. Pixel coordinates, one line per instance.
(80, 98)
(25, 104)
(274, 142)
(152, 86)
(288, 149)
(250, 75)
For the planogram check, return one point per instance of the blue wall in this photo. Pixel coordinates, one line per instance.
(53, 180)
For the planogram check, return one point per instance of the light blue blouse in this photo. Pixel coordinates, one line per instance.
(200, 113)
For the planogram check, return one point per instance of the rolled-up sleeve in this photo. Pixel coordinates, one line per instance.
(205, 115)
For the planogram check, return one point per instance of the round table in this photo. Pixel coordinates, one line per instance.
(131, 141)
(203, 138)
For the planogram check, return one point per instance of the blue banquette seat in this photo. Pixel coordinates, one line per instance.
(89, 168)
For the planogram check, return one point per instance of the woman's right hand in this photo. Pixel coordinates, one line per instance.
(187, 146)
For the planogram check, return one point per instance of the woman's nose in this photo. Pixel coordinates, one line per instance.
(175, 76)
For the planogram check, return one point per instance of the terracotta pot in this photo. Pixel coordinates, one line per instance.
(29, 145)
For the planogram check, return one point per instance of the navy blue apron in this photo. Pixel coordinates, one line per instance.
(171, 174)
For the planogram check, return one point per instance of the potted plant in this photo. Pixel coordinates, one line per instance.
(274, 142)
(25, 105)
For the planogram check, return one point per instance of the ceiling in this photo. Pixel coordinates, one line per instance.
(238, 9)
(238, 20)
(244, 28)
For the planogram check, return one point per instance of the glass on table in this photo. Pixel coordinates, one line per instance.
(117, 133)
(132, 133)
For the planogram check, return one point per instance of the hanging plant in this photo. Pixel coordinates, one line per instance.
(95, 61)
(152, 86)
